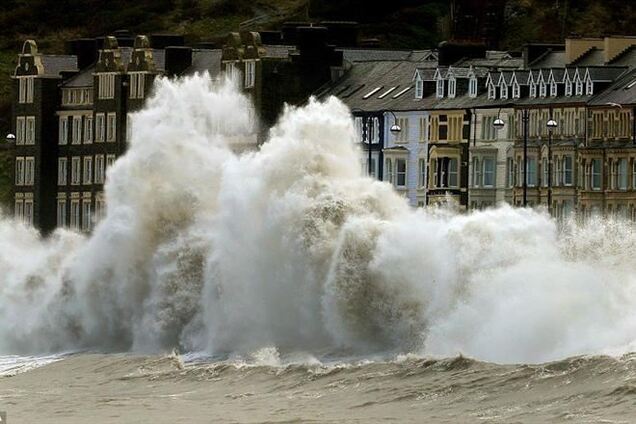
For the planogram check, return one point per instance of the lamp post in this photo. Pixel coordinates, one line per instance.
(10, 138)
(499, 124)
(551, 124)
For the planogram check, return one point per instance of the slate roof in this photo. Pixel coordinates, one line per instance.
(493, 60)
(205, 60)
(379, 85)
(626, 58)
(82, 79)
(594, 56)
(603, 73)
(56, 64)
(354, 55)
(623, 92)
(550, 59)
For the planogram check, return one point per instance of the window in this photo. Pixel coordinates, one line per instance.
(250, 73)
(579, 87)
(388, 175)
(444, 172)
(533, 90)
(488, 130)
(544, 172)
(622, 174)
(20, 130)
(110, 160)
(472, 87)
(86, 214)
(422, 179)
(510, 168)
(30, 130)
(61, 212)
(503, 90)
(492, 91)
(111, 128)
(106, 84)
(532, 172)
(99, 169)
(28, 211)
(440, 88)
(476, 172)
(29, 170)
(75, 214)
(25, 89)
(100, 208)
(63, 130)
(75, 170)
(423, 124)
(419, 88)
(567, 170)
(88, 170)
(19, 171)
(543, 89)
(516, 90)
(370, 167)
(596, 174)
(230, 70)
(400, 168)
(18, 209)
(553, 89)
(452, 87)
(589, 87)
(137, 85)
(489, 171)
(77, 130)
(88, 129)
(403, 135)
(100, 127)
(62, 171)
(568, 88)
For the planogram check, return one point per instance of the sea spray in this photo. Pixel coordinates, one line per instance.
(290, 249)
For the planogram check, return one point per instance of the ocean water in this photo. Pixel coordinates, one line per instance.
(291, 288)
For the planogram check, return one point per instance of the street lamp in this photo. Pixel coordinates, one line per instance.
(525, 117)
(551, 125)
(10, 138)
(394, 129)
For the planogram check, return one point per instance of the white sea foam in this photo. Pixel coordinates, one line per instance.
(289, 249)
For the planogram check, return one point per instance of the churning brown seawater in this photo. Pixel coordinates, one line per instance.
(92, 388)
(290, 249)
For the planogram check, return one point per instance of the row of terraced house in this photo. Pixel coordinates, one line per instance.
(471, 120)
(548, 125)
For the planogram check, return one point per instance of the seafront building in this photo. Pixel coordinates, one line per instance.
(551, 125)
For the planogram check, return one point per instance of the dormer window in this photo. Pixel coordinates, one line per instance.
(543, 89)
(419, 88)
(533, 90)
(568, 88)
(589, 87)
(503, 88)
(553, 89)
(452, 87)
(516, 90)
(440, 88)
(492, 91)
(579, 87)
(472, 87)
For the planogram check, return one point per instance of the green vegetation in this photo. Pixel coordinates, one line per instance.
(398, 23)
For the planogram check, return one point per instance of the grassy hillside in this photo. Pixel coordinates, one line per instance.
(398, 23)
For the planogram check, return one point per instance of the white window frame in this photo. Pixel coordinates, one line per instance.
(492, 91)
(88, 129)
(87, 170)
(100, 169)
(20, 130)
(25, 89)
(29, 170)
(472, 87)
(398, 173)
(76, 130)
(87, 213)
(452, 87)
(62, 171)
(28, 210)
(63, 130)
(111, 127)
(76, 212)
(61, 212)
(76, 175)
(250, 73)
(29, 131)
(106, 83)
(100, 127)
(439, 90)
(19, 171)
(419, 88)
